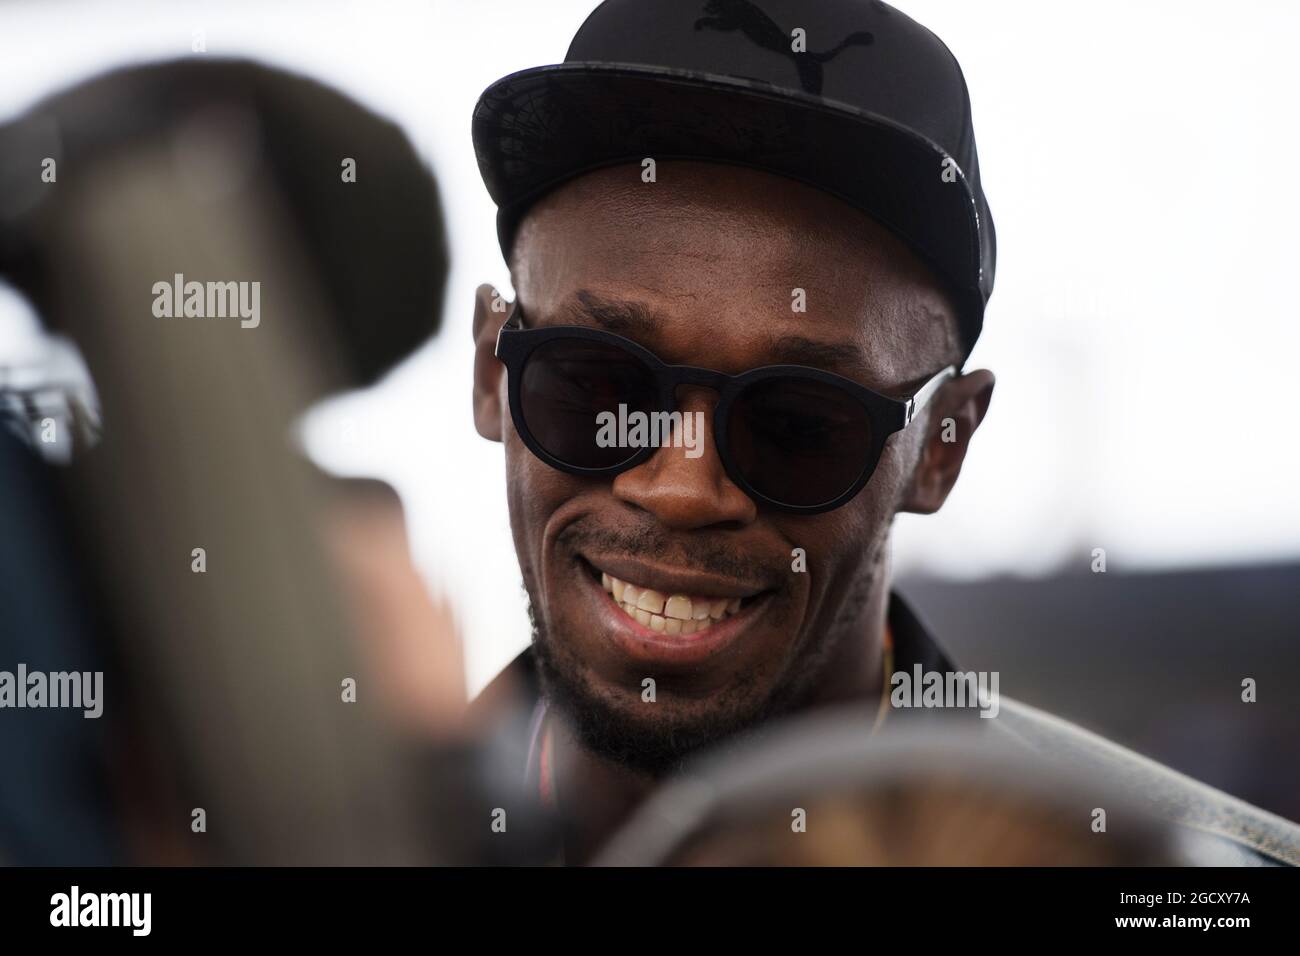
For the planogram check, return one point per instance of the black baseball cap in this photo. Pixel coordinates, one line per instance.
(864, 103)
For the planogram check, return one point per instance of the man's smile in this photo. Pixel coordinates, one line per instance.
(670, 614)
(661, 614)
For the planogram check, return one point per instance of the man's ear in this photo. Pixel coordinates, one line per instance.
(490, 313)
(955, 412)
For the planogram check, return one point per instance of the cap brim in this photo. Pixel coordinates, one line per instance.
(538, 128)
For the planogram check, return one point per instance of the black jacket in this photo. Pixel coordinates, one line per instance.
(1233, 832)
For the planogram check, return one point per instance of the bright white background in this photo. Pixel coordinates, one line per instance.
(1140, 160)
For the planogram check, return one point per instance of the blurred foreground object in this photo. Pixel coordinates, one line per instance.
(819, 792)
(50, 405)
(230, 133)
(234, 683)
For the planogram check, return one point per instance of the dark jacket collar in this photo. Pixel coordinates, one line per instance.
(913, 643)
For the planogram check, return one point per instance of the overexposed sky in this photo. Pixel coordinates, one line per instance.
(1137, 156)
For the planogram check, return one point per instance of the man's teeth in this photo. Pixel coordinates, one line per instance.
(671, 613)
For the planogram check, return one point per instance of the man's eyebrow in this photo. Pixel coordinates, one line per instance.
(624, 316)
(613, 315)
(638, 320)
(800, 350)
(841, 358)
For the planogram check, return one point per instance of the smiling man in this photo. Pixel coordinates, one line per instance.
(609, 560)
(766, 217)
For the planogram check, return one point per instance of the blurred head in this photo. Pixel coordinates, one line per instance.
(700, 267)
(348, 189)
(819, 792)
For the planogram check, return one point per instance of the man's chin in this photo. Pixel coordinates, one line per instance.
(650, 737)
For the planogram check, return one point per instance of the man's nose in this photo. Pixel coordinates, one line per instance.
(685, 492)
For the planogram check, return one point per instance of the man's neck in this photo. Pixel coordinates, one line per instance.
(854, 674)
(595, 794)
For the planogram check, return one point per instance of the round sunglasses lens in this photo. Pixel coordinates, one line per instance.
(799, 441)
(569, 389)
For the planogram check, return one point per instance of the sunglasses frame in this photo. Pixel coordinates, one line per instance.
(516, 344)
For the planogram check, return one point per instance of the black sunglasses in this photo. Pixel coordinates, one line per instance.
(793, 438)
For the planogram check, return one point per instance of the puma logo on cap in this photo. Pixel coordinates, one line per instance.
(727, 15)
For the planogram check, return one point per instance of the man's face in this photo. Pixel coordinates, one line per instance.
(701, 267)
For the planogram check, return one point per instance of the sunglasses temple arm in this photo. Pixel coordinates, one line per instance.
(926, 392)
(513, 323)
